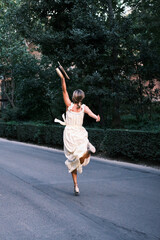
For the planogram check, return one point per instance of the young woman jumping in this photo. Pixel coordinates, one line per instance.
(77, 147)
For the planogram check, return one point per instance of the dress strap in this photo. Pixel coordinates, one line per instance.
(83, 105)
(71, 106)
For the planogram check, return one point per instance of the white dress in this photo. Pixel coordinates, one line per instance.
(75, 138)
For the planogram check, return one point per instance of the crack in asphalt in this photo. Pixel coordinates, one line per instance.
(112, 225)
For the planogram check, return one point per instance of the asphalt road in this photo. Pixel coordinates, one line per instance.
(117, 201)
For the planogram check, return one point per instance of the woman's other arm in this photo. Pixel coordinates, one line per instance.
(66, 98)
(91, 114)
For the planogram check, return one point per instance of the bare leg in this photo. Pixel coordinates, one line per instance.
(74, 176)
(86, 155)
(74, 173)
(76, 188)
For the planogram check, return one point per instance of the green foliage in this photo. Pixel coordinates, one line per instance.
(10, 114)
(101, 47)
(131, 123)
(96, 136)
(135, 145)
(80, 34)
(40, 134)
(105, 46)
(27, 82)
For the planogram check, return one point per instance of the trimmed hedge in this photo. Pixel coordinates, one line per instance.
(51, 135)
(135, 145)
(47, 135)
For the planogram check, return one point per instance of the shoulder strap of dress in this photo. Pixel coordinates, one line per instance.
(83, 105)
(71, 106)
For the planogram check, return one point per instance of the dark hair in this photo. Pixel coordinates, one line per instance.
(78, 96)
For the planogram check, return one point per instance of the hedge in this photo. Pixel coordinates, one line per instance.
(51, 135)
(47, 135)
(135, 145)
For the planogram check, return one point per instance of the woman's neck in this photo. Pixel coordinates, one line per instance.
(76, 108)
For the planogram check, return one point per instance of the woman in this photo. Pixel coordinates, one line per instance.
(77, 147)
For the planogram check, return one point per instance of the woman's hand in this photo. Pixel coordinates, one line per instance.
(98, 119)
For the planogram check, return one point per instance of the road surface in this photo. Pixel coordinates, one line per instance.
(118, 201)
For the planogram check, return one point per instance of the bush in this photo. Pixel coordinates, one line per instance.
(137, 145)
(10, 114)
(47, 135)
(96, 136)
(51, 135)
(145, 124)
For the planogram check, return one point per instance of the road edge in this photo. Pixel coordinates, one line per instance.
(95, 158)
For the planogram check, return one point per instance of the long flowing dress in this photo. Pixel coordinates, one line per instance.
(75, 138)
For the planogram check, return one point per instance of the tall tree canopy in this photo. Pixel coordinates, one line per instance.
(103, 47)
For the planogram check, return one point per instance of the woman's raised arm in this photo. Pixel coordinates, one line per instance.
(66, 98)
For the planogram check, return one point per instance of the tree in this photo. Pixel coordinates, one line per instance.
(146, 47)
(25, 78)
(83, 35)
(9, 47)
(102, 46)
